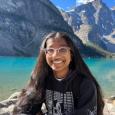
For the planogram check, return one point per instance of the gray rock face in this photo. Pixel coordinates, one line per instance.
(93, 22)
(23, 23)
(6, 106)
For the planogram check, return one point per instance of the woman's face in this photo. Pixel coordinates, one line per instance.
(58, 56)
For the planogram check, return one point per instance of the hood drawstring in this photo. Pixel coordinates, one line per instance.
(64, 90)
(52, 101)
(52, 96)
(63, 102)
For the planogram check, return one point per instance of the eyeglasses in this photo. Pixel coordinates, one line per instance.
(61, 50)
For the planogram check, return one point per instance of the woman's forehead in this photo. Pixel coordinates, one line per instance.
(56, 41)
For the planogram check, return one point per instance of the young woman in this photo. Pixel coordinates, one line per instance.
(62, 81)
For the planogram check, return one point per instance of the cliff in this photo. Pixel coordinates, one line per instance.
(23, 23)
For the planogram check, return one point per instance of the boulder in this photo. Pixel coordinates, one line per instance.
(6, 106)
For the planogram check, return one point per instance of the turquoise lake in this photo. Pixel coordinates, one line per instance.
(15, 72)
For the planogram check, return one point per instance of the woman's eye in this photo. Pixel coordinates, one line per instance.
(63, 50)
(50, 50)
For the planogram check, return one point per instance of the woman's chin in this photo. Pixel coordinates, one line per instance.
(56, 69)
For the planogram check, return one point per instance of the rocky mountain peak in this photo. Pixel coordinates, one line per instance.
(93, 22)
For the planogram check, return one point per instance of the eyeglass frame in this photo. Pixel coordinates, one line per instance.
(56, 49)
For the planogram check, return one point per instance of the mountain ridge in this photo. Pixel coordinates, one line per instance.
(24, 23)
(93, 22)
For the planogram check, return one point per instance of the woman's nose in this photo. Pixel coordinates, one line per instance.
(56, 53)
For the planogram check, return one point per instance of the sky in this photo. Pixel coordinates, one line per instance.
(68, 4)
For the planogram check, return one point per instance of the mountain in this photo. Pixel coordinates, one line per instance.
(94, 23)
(23, 23)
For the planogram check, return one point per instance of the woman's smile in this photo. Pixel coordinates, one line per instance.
(57, 64)
(57, 61)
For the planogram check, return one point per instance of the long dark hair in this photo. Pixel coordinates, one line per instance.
(42, 70)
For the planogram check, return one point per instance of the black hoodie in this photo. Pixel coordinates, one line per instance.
(74, 95)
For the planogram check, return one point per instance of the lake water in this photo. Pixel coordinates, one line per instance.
(15, 72)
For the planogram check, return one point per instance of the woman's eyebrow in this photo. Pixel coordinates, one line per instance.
(62, 45)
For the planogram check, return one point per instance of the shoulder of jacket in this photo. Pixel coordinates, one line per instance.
(87, 85)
